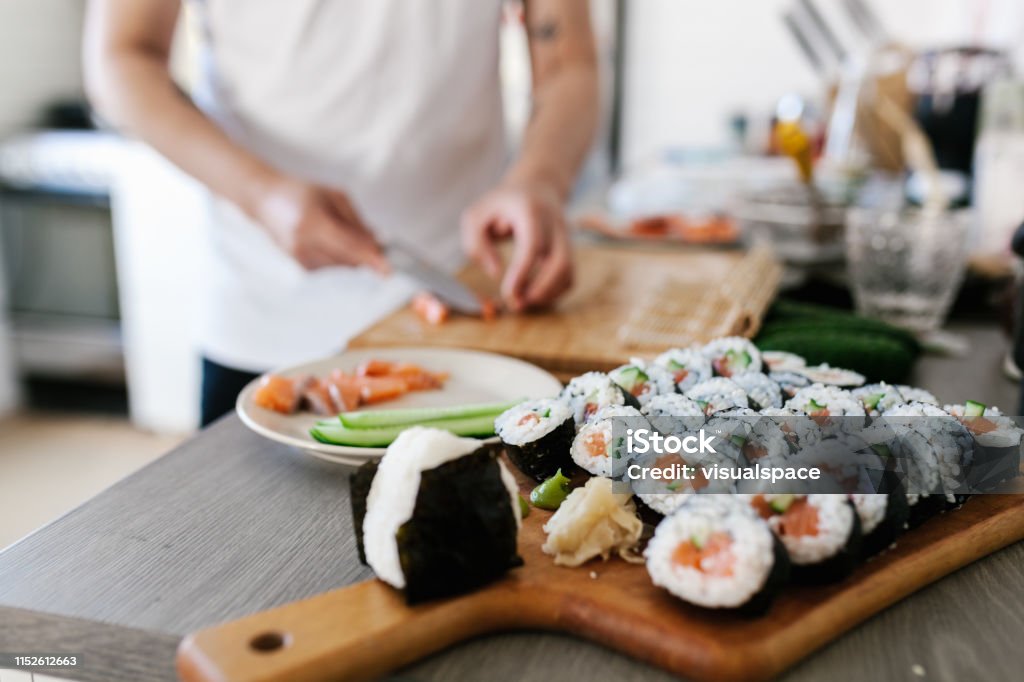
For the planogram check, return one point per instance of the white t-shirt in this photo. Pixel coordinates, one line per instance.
(396, 102)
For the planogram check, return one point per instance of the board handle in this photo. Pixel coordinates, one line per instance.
(354, 633)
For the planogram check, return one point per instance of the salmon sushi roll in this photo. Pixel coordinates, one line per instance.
(590, 392)
(731, 355)
(715, 553)
(643, 381)
(538, 435)
(688, 367)
(597, 448)
(715, 395)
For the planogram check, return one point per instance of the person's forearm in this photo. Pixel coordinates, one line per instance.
(561, 129)
(133, 90)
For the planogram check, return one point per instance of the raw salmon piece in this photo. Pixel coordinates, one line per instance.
(277, 393)
(379, 389)
(489, 309)
(800, 519)
(317, 397)
(345, 390)
(418, 379)
(713, 557)
(429, 308)
(375, 368)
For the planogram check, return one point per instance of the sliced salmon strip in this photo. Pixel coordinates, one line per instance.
(713, 557)
(430, 308)
(596, 444)
(317, 397)
(277, 393)
(380, 389)
(800, 519)
(345, 390)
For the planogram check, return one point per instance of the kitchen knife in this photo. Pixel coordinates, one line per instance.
(450, 290)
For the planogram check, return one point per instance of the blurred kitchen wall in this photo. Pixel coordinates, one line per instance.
(691, 64)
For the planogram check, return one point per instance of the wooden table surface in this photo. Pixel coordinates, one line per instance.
(230, 523)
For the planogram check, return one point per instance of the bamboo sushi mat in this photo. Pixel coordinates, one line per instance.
(626, 302)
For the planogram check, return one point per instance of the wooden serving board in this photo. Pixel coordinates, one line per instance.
(625, 302)
(366, 630)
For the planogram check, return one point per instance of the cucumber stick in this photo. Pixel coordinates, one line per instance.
(379, 437)
(374, 419)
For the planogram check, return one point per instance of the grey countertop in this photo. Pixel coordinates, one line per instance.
(230, 523)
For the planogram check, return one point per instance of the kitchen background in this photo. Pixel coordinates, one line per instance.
(98, 235)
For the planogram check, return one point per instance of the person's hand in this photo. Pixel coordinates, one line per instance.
(533, 216)
(318, 227)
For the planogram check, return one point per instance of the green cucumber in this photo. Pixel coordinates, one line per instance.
(629, 377)
(972, 408)
(697, 541)
(735, 359)
(780, 503)
(877, 356)
(871, 401)
(373, 419)
(339, 434)
(524, 507)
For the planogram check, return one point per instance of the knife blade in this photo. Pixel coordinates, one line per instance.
(450, 290)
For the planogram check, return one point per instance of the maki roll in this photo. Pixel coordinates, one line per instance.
(731, 355)
(440, 515)
(595, 448)
(782, 361)
(997, 443)
(821, 532)
(643, 381)
(799, 429)
(789, 382)
(673, 414)
(832, 408)
(666, 494)
(714, 553)
(916, 395)
(766, 439)
(537, 435)
(715, 395)
(762, 391)
(832, 376)
(688, 367)
(588, 393)
(877, 398)
(883, 516)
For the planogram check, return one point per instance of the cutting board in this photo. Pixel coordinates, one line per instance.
(625, 302)
(366, 630)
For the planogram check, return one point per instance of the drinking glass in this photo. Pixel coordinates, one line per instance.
(906, 265)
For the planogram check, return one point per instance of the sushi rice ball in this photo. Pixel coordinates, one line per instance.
(731, 355)
(714, 553)
(595, 448)
(715, 395)
(643, 381)
(588, 393)
(688, 366)
(537, 435)
(821, 532)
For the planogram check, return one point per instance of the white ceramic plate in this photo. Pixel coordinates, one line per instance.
(475, 377)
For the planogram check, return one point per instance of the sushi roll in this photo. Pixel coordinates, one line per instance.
(588, 393)
(688, 367)
(799, 429)
(832, 376)
(596, 449)
(781, 361)
(673, 414)
(952, 446)
(833, 408)
(643, 381)
(716, 554)
(916, 395)
(715, 395)
(538, 435)
(666, 494)
(789, 382)
(762, 391)
(765, 440)
(731, 355)
(997, 443)
(877, 398)
(883, 517)
(438, 516)
(821, 533)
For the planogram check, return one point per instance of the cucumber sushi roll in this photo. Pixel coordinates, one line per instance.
(762, 391)
(673, 414)
(997, 443)
(731, 429)
(714, 553)
(643, 381)
(951, 443)
(538, 435)
(877, 398)
(883, 516)
(731, 355)
(687, 365)
(595, 449)
(922, 480)
(833, 408)
(715, 395)
(588, 393)
(821, 533)
(440, 515)
(916, 395)
(797, 427)
(789, 382)
(765, 440)
(832, 376)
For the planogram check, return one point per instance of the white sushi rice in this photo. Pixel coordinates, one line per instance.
(718, 350)
(781, 361)
(759, 388)
(835, 521)
(751, 553)
(688, 366)
(550, 414)
(588, 393)
(836, 401)
(600, 428)
(395, 486)
(883, 395)
(832, 376)
(916, 395)
(871, 508)
(659, 380)
(718, 394)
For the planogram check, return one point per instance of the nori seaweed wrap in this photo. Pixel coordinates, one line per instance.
(538, 436)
